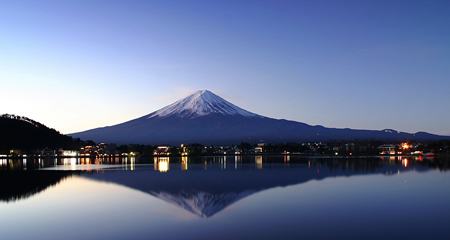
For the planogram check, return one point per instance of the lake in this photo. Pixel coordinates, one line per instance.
(250, 197)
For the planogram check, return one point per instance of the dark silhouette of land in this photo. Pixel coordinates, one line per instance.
(18, 185)
(18, 132)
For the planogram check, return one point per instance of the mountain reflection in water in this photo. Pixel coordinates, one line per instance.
(267, 197)
(207, 192)
(208, 188)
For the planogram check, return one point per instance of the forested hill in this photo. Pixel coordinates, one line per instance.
(26, 134)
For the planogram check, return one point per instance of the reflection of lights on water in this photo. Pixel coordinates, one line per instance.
(224, 163)
(69, 161)
(258, 161)
(405, 162)
(132, 162)
(82, 161)
(163, 166)
(236, 160)
(287, 159)
(161, 163)
(11, 163)
(184, 163)
(73, 163)
(124, 162)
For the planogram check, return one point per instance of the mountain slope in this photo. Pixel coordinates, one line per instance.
(24, 133)
(209, 119)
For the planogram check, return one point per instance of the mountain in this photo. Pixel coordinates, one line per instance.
(206, 118)
(25, 134)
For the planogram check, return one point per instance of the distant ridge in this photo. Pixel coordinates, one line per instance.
(26, 134)
(209, 119)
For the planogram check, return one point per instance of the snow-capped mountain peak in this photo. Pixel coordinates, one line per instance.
(201, 103)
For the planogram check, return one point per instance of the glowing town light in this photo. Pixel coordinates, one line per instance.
(69, 153)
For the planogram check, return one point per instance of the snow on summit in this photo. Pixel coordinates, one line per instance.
(201, 103)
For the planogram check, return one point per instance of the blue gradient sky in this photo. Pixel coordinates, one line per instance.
(77, 65)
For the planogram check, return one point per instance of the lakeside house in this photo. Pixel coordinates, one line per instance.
(388, 149)
(162, 150)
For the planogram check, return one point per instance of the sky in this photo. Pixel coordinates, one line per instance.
(78, 65)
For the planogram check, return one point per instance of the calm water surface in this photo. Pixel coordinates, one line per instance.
(257, 197)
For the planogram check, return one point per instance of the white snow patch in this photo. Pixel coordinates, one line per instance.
(201, 103)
